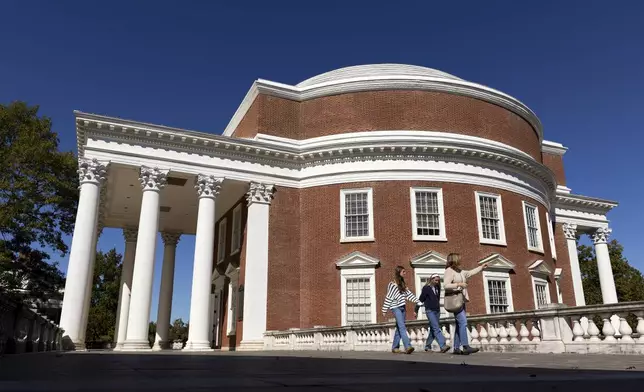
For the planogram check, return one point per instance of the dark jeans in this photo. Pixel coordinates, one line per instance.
(434, 329)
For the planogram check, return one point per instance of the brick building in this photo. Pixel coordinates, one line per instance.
(315, 192)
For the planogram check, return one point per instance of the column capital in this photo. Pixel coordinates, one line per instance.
(153, 178)
(208, 185)
(130, 233)
(91, 171)
(600, 236)
(170, 238)
(260, 193)
(570, 231)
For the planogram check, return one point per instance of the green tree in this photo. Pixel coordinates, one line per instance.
(179, 331)
(105, 297)
(152, 332)
(629, 281)
(38, 199)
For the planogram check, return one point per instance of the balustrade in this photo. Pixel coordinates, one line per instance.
(554, 329)
(23, 330)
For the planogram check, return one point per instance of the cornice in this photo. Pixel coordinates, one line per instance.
(290, 154)
(379, 83)
(585, 203)
(553, 148)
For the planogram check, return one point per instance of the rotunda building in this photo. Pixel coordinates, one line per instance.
(315, 192)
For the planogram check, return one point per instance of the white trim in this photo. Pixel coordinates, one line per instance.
(231, 309)
(357, 265)
(499, 207)
(539, 247)
(551, 236)
(426, 272)
(236, 230)
(343, 194)
(429, 259)
(403, 80)
(497, 275)
(553, 148)
(221, 241)
(498, 263)
(540, 268)
(558, 272)
(441, 216)
(541, 281)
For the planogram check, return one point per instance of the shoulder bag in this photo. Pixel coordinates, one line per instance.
(455, 300)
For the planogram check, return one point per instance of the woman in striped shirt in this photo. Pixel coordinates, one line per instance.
(397, 295)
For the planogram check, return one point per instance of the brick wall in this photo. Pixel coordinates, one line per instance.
(555, 163)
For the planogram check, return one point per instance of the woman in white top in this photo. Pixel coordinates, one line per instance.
(397, 295)
(455, 284)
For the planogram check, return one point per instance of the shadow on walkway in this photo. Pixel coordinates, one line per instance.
(317, 371)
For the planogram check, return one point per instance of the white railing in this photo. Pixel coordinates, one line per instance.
(554, 329)
(22, 330)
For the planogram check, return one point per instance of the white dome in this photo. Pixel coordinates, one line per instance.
(375, 70)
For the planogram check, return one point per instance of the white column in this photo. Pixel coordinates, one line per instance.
(256, 268)
(570, 231)
(606, 281)
(170, 241)
(198, 334)
(152, 181)
(90, 286)
(126, 287)
(92, 174)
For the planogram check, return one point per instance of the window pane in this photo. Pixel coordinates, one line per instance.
(356, 207)
(531, 222)
(540, 290)
(497, 293)
(489, 218)
(427, 213)
(358, 306)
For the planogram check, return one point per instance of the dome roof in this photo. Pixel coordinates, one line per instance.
(376, 70)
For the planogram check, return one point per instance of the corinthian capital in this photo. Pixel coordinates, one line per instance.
(130, 234)
(600, 236)
(91, 171)
(208, 186)
(170, 238)
(152, 179)
(260, 193)
(570, 231)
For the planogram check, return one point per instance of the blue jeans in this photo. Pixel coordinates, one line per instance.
(401, 329)
(460, 337)
(434, 329)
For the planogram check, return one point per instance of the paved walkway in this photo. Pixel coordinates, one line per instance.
(319, 371)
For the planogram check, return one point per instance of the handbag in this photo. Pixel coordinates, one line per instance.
(454, 301)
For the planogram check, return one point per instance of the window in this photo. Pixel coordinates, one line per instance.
(489, 212)
(551, 236)
(221, 241)
(358, 301)
(428, 218)
(498, 292)
(532, 227)
(237, 232)
(231, 318)
(540, 294)
(423, 279)
(425, 265)
(358, 288)
(356, 209)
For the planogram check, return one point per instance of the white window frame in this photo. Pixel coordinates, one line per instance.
(221, 240)
(538, 280)
(499, 204)
(231, 306)
(235, 240)
(343, 193)
(426, 272)
(538, 248)
(551, 236)
(498, 275)
(357, 265)
(441, 217)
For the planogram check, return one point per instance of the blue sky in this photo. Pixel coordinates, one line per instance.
(578, 64)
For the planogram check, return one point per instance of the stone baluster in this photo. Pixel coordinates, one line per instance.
(625, 331)
(483, 335)
(607, 330)
(447, 335)
(503, 334)
(577, 331)
(593, 331)
(512, 332)
(535, 332)
(493, 334)
(640, 327)
(475, 336)
(524, 333)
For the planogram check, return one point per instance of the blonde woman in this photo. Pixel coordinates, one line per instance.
(397, 296)
(456, 293)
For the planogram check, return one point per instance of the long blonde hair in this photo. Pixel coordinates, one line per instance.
(453, 262)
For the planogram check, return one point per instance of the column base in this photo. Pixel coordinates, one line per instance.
(136, 345)
(251, 345)
(198, 346)
(118, 346)
(160, 345)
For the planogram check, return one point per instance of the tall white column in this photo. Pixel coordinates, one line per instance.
(606, 280)
(152, 181)
(198, 334)
(92, 175)
(90, 286)
(570, 231)
(256, 270)
(170, 241)
(127, 270)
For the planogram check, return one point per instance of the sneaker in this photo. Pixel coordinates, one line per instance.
(460, 352)
(470, 350)
(395, 350)
(409, 350)
(428, 350)
(445, 349)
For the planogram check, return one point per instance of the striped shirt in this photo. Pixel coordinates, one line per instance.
(396, 299)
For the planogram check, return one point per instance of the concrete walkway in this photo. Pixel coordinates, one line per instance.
(318, 371)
